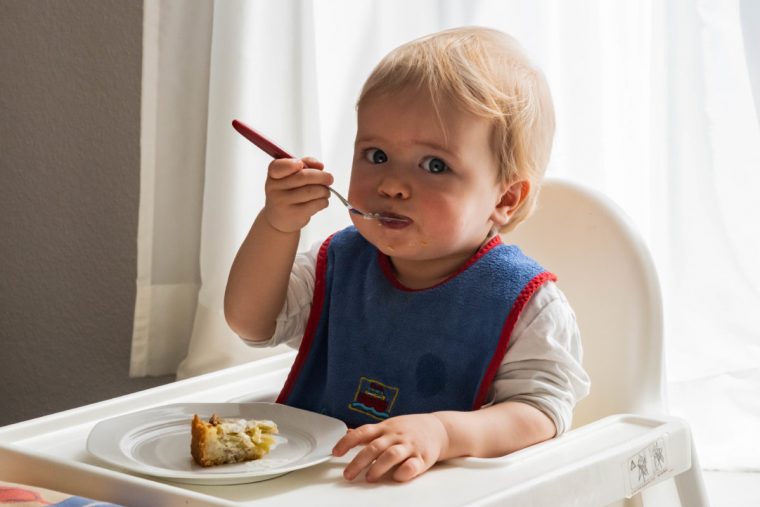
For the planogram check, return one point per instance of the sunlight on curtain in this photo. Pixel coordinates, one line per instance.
(655, 109)
(711, 275)
(265, 77)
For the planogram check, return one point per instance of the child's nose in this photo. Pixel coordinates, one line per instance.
(394, 187)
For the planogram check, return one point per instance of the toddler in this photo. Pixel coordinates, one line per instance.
(422, 330)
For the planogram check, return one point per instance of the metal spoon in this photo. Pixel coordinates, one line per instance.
(275, 151)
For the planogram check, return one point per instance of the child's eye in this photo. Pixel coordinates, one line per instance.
(375, 156)
(434, 165)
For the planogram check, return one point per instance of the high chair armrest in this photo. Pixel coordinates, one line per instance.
(606, 461)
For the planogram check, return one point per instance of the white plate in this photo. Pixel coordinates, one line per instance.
(156, 442)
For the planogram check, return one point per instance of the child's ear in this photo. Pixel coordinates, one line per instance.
(512, 197)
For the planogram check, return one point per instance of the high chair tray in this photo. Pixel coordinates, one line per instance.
(596, 464)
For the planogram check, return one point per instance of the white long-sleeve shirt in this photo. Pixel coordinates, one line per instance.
(542, 365)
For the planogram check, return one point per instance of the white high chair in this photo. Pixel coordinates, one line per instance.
(624, 449)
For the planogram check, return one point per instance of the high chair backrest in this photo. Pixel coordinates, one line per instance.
(607, 274)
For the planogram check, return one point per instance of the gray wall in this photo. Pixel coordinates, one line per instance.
(69, 190)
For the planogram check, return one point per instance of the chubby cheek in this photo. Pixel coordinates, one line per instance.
(453, 225)
(359, 190)
(446, 229)
(442, 218)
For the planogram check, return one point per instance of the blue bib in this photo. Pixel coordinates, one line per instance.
(373, 349)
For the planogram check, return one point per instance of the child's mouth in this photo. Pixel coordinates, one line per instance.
(393, 221)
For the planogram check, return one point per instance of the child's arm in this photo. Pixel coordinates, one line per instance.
(416, 442)
(258, 280)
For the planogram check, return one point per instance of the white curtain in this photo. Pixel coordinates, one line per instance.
(206, 63)
(710, 249)
(176, 51)
(655, 108)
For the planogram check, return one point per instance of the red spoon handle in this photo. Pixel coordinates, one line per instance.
(259, 140)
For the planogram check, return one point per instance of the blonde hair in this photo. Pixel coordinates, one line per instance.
(484, 72)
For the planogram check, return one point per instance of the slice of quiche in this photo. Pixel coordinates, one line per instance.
(220, 441)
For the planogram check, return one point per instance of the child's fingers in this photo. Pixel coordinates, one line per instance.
(313, 163)
(409, 469)
(299, 179)
(388, 459)
(289, 217)
(298, 195)
(366, 457)
(284, 167)
(354, 437)
(301, 202)
(310, 208)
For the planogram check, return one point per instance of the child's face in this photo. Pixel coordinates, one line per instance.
(443, 181)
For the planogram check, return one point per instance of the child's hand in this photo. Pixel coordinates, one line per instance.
(296, 189)
(413, 443)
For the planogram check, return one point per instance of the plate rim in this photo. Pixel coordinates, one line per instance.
(178, 475)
